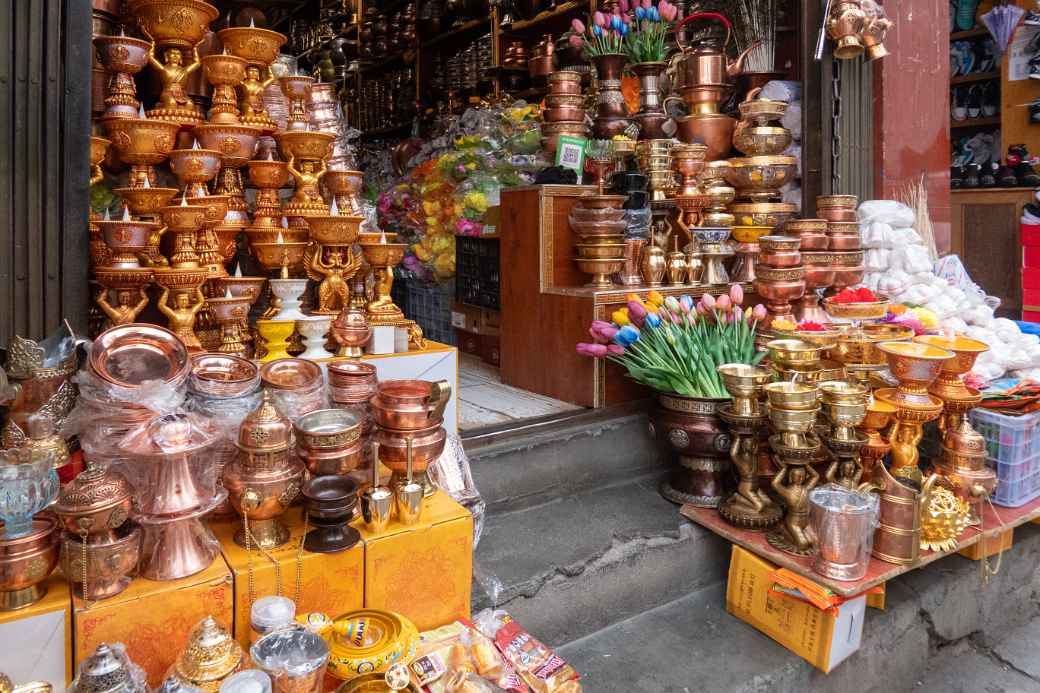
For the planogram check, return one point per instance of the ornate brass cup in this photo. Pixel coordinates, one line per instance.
(141, 143)
(184, 221)
(874, 450)
(771, 214)
(744, 383)
(127, 241)
(173, 23)
(280, 256)
(761, 140)
(844, 26)
(875, 27)
(335, 230)
(26, 562)
(254, 45)
(195, 168)
(383, 257)
(759, 178)
(123, 57)
(689, 160)
(345, 187)
(225, 72)
(237, 145)
(268, 177)
(837, 207)
(297, 88)
(761, 112)
(351, 331)
(230, 312)
(209, 657)
(264, 479)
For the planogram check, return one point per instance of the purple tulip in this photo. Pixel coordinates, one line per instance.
(708, 301)
(636, 313)
(575, 41)
(624, 6)
(578, 26)
(615, 350)
(759, 312)
(724, 303)
(597, 350)
(599, 19)
(647, 4)
(736, 293)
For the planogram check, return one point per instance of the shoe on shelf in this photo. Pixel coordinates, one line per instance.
(1031, 214)
(1006, 177)
(1034, 65)
(990, 98)
(1017, 153)
(1027, 176)
(971, 175)
(974, 100)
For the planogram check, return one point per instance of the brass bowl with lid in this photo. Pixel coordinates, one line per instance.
(210, 656)
(265, 429)
(95, 503)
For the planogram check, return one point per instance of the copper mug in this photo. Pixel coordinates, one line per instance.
(410, 405)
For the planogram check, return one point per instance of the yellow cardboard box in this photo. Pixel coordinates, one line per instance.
(332, 583)
(153, 619)
(423, 571)
(38, 638)
(823, 638)
(994, 545)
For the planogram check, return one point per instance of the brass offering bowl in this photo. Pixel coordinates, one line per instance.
(194, 168)
(779, 251)
(346, 187)
(761, 140)
(949, 385)
(123, 57)
(145, 202)
(601, 270)
(329, 441)
(837, 207)
(793, 425)
(269, 174)
(286, 256)
(26, 562)
(744, 383)
(788, 396)
(859, 346)
(762, 111)
(793, 351)
(916, 366)
(759, 178)
(127, 240)
(142, 143)
(812, 232)
(604, 251)
(334, 230)
(843, 235)
(173, 23)
(304, 145)
(110, 561)
(236, 143)
(771, 214)
(254, 45)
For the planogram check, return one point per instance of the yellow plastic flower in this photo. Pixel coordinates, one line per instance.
(656, 298)
(476, 201)
(929, 319)
(633, 297)
(783, 325)
(620, 317)
(422, 253)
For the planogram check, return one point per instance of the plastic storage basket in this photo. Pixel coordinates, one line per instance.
(430, 306)
(1009, 439)
(1012, 494)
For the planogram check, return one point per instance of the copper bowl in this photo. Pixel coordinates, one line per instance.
(334, 230)
(563, 113)
(761, 140)
(771, 214)
(761, 173)
(353, 374)
(843, 242)
(223, 375)
(612, 251)
(126, 279)
(145, 201)
(837, 214)
(338, 462)
(191, 165)
(176, 23)
(304, 144)
(327, 430)
(215, 206)
(858, 310)
(427, 446)
(255, 45)
(558, 100)
(766, 275)
(565, 82)
(384, 254)
(762, 110)
(122, 53)
(712, 129)
(590, 201)
(789, 396)
(223, 69)
(836, 202)
(26, 562)
(186, 279)
(128, 355)
(268, 174)
(275, 255)
(812, 232)
(860, 346)
(290, 374)
(126, 239)
(817, 276)
(110, 563)
(240, 287)
(236, 143)
(270, 235)
(96, 502)
(779, 244)
(408, 405)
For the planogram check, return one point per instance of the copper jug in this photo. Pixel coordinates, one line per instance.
(706, 64)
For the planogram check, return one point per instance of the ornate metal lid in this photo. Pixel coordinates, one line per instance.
(94, 489)
(265, 429)
(107, 670)
(210, 655)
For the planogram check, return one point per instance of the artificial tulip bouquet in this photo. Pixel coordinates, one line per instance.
(674, 345)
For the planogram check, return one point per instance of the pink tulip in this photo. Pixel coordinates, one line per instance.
(724, 303)
(759, 312)
(700, 309)
(597, 350)
(626, 18)
(615, 350)
(599, 19)
(575, 40)
(708, 301)
(596, 336)
(636, 313)
(578, 26)
(582, 348)
(736, 293)
(624, 6)
(739, 313)
(647, 4)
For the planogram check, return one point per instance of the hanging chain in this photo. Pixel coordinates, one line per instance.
(299, 558)
(835, 126)
(83, 542)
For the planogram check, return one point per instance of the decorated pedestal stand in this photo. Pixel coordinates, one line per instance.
(383, 255)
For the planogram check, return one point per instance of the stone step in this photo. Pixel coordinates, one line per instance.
(692, 644)
(580, 562)
(540, 463)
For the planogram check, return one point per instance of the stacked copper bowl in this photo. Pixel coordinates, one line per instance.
(819, 266)
(101, 545)
(565, 114)
(264, 479)
(843, 239)
(780, 275)
(352, 385)
(599, 223)
(297, 386)
(329, 441)
(760, 174)
(836, 207)
(409, 415)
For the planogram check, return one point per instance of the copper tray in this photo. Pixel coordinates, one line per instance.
(128, 355)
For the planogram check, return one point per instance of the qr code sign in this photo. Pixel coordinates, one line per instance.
(570, 156)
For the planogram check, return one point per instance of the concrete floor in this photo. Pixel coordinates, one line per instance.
(1011, 665)
(485, 401)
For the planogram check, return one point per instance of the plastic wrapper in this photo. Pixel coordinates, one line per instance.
(451, 473)
(895, 214)
(270, 613)
(173, 684)
(638, 221)
(843, 520)
(226, 415)
(536, 664)
(456, 654)
(247, 681)
(296, 403)
(292, 657)
(109, 665)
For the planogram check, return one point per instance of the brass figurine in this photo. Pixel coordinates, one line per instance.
(308, 178)
(795, 535)
(125, 311)
(181, 314)
(333, 275)
(174, 102)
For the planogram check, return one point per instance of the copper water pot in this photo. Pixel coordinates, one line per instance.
(410, 405)
(95, 503)
(26, 562)
(707, 63)
(110, 561)
(691, 427)
(897, 538)
(713, 129)
(427, 446)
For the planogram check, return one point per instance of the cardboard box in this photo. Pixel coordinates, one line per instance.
(423, 571)
(1002, 542)
(154, 619)
(332, 583)
(38, 638)
(465, 317)
(823, 638)
(876, 597)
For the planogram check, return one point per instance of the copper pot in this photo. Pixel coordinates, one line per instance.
(557, 100)
(541, 66)
(713, 129)
(109, 562)
(26, 563)
(779, 251)
(338, 462)
(290, 374)
(95, 504)
(897, 538)
(565, 82)
(812, 232)
(691, 427)
(817, 275)
(354, 379)
(837, 214)
(410, 405)
(843, 242)
(263, 491)
(427, 446)
(351, 331)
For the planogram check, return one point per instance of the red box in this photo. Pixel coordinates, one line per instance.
(1030, 298)
(1029, 234)
(1031, 277)
(1031, 316)
(1031, 256)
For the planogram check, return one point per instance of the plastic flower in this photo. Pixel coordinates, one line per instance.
(724, 303)
(929, 319)
(624, 6)
(615, 350)
(686, 303)
(627, 335)
(640, 13)
(636, 313)
(783, 325)
(736, 294)
(759, 312)
(656, 298)
(599, 19)
(708, 301)
(578, 26)
(653, 320)
(620, 317)
(593, 350)
(672, 304)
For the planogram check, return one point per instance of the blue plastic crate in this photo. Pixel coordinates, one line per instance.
(1015, 471)
(1012, 494)
(430, 306)
(1009, 439)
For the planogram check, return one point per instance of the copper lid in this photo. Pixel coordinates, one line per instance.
(210, 655)
(265, 429)
(95, 489)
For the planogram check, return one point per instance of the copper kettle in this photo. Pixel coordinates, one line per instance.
(706, 64)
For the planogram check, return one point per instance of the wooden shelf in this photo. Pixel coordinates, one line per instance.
(528, 24)
(451, 33)
(388, 130)
(383, 62)
(970, 33)
(975, 77)
(974, 122)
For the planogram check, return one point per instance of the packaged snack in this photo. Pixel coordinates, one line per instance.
(538, 665)
(485, 656)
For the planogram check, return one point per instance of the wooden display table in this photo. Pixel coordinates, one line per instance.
(546, 309)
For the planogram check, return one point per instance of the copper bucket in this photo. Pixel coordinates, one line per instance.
(897, 538)
(843, 520)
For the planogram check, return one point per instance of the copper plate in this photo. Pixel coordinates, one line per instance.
(128, 355)
(290, 374)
